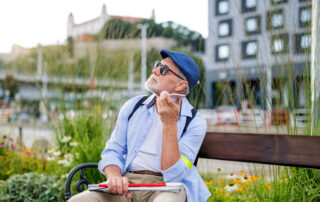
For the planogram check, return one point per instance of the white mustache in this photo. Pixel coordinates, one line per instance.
(155, 78)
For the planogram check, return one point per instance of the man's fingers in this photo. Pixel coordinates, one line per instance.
(110, 185)
(125, 183)
(128, 195)
(119, 186)
(164, 95)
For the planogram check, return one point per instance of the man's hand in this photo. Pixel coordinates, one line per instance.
(168, 110)
(116, 182)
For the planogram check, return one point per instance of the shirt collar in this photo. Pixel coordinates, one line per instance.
(185, 109)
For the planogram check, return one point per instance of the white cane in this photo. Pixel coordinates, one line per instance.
(170, 187)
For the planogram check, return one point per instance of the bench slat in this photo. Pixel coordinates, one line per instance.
(288, 150)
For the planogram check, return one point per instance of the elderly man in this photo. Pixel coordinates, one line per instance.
(156, 139)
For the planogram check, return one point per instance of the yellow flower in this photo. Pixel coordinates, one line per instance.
(267, 185)
(239, 190)
(244, 186)
(220, 181)
(242, 173)
(222, 191)
(253, 178)
(210, 182)
(27, 150)
(237, 180)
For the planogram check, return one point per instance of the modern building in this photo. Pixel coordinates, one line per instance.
(258, 50)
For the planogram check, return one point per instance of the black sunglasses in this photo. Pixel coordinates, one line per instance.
(164, 69)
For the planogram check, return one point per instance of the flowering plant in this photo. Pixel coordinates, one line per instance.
(17, 159)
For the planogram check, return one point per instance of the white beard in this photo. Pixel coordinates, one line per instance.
(152, 87)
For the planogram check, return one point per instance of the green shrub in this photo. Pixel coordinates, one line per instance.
(32, 187)
(80, 139)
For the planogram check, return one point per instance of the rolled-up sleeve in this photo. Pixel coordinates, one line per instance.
(116, 146)
(189, 145)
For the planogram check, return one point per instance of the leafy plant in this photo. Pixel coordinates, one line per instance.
(32, 187)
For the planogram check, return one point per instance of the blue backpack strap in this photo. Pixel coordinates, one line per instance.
(137, 106)
(189, 119)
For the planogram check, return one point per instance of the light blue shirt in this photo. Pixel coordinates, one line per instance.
(127, 138)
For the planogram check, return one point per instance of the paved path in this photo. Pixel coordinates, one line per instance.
(30, 133)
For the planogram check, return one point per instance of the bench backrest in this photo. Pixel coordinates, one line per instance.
(289, 150)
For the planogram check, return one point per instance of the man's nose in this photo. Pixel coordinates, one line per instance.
(156, 71)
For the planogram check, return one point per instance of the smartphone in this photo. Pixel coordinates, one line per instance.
(175, 96)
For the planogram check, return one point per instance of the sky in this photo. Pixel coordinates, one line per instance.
(28, 23)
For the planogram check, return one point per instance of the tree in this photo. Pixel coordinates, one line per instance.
(2, 65)
(70, 45)
(120, 29)
(11, 84)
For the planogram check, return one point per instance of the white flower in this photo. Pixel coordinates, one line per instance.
(68, 157)
(61, 161)
(56, 152)
(73, 143)
(51, 158)
(77, 154)
(231, 176)
(244, 179)
(64, 162)
(64, 176)
(66, 139)
(51, 151)
(231, 187)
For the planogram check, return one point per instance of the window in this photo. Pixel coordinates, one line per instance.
(275, 19)
(225, 28)
(253, 25)
(305, 16)
(249, 5)
(302, 43)
(222, 52)
(279, 43)
(275, 2)
(222, 7)
(249, 49)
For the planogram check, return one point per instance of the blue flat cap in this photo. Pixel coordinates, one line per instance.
(186, 64)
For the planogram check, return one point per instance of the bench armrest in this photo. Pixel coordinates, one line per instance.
(82, 180)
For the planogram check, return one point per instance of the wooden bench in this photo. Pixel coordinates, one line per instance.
(286, 150)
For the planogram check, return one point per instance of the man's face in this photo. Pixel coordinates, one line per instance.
(168, 82)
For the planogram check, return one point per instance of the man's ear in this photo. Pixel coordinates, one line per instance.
(181, 85)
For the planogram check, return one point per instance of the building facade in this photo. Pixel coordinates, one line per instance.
(258, 50)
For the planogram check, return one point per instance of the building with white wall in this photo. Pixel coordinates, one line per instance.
(95, 25)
